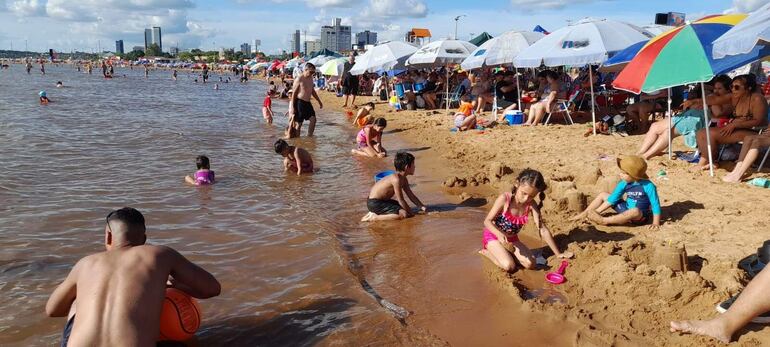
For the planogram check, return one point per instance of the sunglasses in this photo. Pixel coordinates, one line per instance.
(737, 87)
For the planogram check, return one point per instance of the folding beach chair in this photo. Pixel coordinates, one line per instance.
(563, 105)
(452, 98)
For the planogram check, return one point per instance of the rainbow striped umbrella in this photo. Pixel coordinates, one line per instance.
(683, 56)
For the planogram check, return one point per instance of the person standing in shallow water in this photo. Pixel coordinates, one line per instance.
(300, 108)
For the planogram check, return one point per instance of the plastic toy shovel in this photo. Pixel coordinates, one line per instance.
(558, 276)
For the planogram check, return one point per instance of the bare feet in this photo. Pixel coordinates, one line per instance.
(731, 178)
(368, 217)
(596, 218)
(710, 328)
(579, 216)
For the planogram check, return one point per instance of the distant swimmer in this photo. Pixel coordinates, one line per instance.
(300, 107)
(205, 73)
(146, 71)
(89, 68)
(43, 98)
(112, 70)
(295, 159)
(267, 108)
(115, 297)
(216, 86)
(29, 67)
(204, 176)
(42, 67)
(173, 75)
(59, 84)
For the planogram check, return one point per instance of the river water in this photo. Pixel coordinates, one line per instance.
(296, 265)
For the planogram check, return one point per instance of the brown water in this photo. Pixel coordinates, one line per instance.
(296, 266)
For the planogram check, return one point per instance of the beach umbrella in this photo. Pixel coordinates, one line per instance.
(501, 50)
(384, 56)
(479, 40)
(588, 41)
(321, 59)
(620, 59)
(325, 52)
(657, 29)
(683, 56)
(438, 53)
(742, 38)
(333, 67)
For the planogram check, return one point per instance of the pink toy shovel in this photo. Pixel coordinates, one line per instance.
(558, 276)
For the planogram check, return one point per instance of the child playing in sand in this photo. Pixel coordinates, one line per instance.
(381, 205)
(641, 205)
(267, 108)
(43, 98)
(295, 159)
(363, 116)
(508, 216)
(369, 140)
(464, 118)
(204, 176)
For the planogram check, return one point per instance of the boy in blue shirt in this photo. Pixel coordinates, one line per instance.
(641, 205)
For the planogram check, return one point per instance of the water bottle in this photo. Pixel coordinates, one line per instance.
(760, 182)
(685, 93)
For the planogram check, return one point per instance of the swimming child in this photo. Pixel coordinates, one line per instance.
(216, 86)
(464, 118)
(508, 216)
(204, 176)
(43, 98)
(363, 116)
(295, 159)
(267, 108)
(59, 84)
(381, 204)
(641, 205)
(115, 297)
(369, 140)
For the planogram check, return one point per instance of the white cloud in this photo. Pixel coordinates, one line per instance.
(396, 8)
(746, 6)
(331, 3)
(27, 8)
(533, 5)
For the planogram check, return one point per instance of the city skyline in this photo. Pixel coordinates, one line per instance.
(207, 24)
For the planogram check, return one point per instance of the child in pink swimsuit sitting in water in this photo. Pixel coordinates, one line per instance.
(204, 176)
(369, 140)
(508, 216)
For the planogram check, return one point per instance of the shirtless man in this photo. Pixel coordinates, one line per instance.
(300, 108)
(381, 205)
(118, 294)
(295, 159)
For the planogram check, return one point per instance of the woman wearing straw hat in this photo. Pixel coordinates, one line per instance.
(641, 205)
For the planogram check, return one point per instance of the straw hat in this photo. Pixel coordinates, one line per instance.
(634, 166)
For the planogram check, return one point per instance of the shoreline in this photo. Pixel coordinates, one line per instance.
(616, 292)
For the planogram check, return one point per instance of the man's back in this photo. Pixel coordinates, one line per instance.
(119, 297)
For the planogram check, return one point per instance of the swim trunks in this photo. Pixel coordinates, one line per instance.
(622, 206)
(381, 207)
(303, 110)
(351, 85)
(65, 337)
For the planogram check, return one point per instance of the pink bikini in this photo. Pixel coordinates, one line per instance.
(507, 223)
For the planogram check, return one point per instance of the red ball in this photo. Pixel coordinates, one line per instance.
(180, 317)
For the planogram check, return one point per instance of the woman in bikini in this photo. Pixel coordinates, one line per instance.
(749, 111)
(508, 216)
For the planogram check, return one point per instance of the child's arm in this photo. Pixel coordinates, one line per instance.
(413, 197)
(358, 116)
(652, 194)
(545, 234)
(398, 190)
(616, 195)
(496, 209)
(189, 179)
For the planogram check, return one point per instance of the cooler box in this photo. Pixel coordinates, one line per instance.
(514, 117)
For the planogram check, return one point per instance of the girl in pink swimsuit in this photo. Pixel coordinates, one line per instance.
(369, 140)
(508, 216)
(204, 176)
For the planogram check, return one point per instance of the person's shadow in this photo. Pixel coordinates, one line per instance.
(302, 325)
(446, 207)
(679, 209)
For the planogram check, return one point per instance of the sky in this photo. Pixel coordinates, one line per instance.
(86, 25)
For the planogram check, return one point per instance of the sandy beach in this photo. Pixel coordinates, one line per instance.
(618, 292)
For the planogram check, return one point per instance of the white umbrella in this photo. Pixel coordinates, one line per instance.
(439, 53)
(657, 29)
(384, 56)
(320, 60)
(588, 41)
(743, 37)
(501, 50)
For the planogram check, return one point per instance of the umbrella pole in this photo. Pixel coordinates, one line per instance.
(670, 123)
(518, 88)
(708, 130)
(494, 102)
(593, 102)
(448, 97)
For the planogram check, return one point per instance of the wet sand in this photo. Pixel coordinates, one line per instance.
(616, 293)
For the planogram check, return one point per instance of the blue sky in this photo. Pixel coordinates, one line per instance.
(66, 25)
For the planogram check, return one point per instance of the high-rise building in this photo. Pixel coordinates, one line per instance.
(138, 49)
(174, 51)
(119, 47)
(156, 39)
(255, 45)
(296, 42)
(246, 48)
(313, 46)
(366, 38)
(336, 37)
(147, 38)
